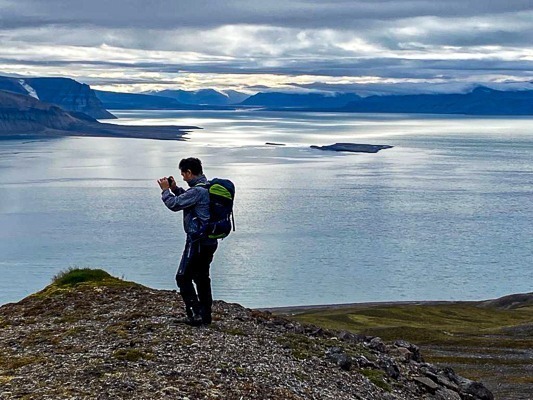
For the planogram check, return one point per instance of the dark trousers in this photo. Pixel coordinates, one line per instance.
(194, 266)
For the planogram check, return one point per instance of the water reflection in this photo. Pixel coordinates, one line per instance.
(442, 215)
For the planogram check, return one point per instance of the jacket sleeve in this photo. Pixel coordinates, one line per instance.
(179, 202)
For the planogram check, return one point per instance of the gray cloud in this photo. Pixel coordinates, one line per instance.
(388, 39)
(171, 14)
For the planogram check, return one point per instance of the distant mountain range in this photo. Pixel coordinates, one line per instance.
(80, 98)
(169, 100)
(300, 100)
(204, 96)
(63, 92)
(481, 101)
(137, 101)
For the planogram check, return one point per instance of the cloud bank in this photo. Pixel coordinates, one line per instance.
(139, 45)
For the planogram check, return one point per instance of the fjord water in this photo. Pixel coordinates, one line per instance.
(444, 215)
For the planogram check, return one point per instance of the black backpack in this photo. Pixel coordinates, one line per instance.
(221, 197)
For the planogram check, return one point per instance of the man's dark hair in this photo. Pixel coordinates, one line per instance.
(192, 164)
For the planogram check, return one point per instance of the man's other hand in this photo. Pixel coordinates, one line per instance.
(163, 183)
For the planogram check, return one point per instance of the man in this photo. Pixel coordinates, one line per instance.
(199, 250)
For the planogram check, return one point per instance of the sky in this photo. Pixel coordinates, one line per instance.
(368, 47)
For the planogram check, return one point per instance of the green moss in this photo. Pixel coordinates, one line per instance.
(301, 346)
(5, 379)
(186, 341)
(235, 331)
(376, 376)
(120, 329)
(240, 371)
(42, 336)
(304, 347)
(14, 362)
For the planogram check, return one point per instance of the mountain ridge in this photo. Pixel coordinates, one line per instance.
(480, 101)
(63, 92)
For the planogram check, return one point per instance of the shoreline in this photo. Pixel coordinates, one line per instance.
(507, 301)
(104, 130)
(282, 310)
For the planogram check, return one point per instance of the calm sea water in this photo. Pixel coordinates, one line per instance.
(444, 215)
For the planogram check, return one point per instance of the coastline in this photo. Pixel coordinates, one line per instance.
(505, 302)
(164, 132)
(294, 310)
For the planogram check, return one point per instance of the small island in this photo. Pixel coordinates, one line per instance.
(353, 147)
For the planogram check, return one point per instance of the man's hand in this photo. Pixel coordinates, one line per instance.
(163, 183)
(173, 185)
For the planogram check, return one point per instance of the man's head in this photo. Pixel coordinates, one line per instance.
(190, 168)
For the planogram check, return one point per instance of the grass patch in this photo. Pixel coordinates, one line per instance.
(304, 347)
(79, 278)
(5, 379)
(233, 331)
(462, 335)
(425, 324)
(301, 346)
(121, 329)
(13, 362)
(376, 376)
(74, 276)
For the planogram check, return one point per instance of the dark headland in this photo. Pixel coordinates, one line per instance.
(89, 335)
(23, 116)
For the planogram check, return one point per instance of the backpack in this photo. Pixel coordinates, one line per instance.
(221, 196)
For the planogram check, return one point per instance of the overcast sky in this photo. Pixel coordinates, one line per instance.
(364, 46)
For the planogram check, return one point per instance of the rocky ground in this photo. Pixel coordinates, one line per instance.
(490, 341)
(117, 340)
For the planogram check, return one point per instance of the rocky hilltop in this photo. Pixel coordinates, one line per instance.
(95, 336)
(23, 116)
(66, 93)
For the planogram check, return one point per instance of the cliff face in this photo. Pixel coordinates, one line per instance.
(19, 113)
(25, 116)
(115, 339)
(63, 92)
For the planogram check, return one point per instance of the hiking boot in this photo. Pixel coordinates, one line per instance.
(205, 312)
(195, 320)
